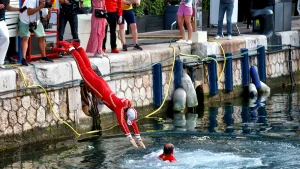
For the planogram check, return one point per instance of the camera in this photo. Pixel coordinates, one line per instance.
(32, 26)
(48, 4)
(73, 1)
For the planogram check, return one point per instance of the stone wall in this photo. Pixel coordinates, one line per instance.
(26, 115)
(276, 63)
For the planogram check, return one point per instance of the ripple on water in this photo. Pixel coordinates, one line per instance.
(194, 159)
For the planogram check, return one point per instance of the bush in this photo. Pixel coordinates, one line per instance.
(205, 5)
(173, 2)
(150, 7)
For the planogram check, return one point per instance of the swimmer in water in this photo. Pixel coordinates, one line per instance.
(168, 154)
(122, 107)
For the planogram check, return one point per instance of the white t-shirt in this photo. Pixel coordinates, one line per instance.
(187, 3)
(25, 18)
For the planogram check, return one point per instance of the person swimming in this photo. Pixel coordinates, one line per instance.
(168, 154)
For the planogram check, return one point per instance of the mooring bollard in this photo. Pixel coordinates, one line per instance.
(178, 70)
(245, 67)
(228, 73)
(261, 63)
(213, 76)
(157, 84)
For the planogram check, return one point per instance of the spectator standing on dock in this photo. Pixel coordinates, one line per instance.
(128, 15)
(98, 26)
(248, 12)
(114, 12)
(225, 6)
(184, 15)
(4, 34)
(29, 22)
(68, 13)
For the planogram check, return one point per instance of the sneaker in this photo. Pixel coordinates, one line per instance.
(11, 60)
(104, 54)
(115, 50)
(189, 42)
(24, 62)
(125, 47)
(2, 66)
(46, 59)
(100, 55)
(136, 46)
(217, 37)
(229, 37)
(103, 50)
(181, 41)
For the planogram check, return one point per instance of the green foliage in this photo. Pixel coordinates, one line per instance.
(139, 10)
(150, 7)
(205, 5)
(156, 7)
(173, 2)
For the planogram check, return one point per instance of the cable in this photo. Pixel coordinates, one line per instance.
(47, 96)
(133, 71)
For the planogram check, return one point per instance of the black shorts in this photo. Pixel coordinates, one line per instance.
(128, 15)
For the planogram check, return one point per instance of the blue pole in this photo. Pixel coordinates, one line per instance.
(19, 40)
(157, 84)
(228, 73)
(178, 70)
(261, 63)
(245, 67)
(212, 73)
(191, 70)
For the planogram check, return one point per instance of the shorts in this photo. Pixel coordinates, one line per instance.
(128, 15)
(24, 30)
(184, 10)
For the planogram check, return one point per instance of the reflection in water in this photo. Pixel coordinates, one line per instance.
(228, 119)
(184, 122)
(213, 122)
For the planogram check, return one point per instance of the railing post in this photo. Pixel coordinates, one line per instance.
(213, 76)
(245, 67)
(228, 73)
(261, 63)
(191, 72)
(178, 70)
(157, 84)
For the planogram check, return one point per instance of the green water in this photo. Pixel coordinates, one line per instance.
(242, 133)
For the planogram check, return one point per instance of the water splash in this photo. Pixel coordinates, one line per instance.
(193, 159)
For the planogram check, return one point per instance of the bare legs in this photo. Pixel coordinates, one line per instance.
(187, 20)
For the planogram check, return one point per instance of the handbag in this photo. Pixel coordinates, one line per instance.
(100, 13)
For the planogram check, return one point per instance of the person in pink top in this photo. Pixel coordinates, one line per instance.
(97, 30)
(184, 15)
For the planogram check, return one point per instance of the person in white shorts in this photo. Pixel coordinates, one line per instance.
(4, 35)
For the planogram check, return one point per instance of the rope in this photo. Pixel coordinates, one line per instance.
(133, 71)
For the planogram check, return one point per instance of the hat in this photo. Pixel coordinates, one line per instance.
(131, 115)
